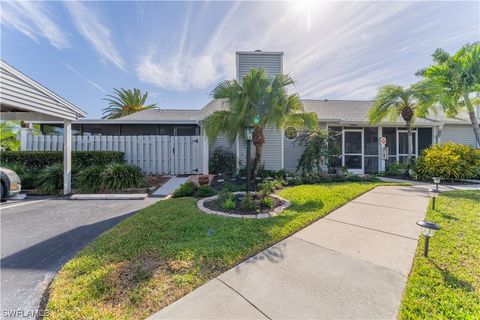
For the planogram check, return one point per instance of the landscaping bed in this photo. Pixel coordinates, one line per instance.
(217, 205)
(446, 285)
(170, 248)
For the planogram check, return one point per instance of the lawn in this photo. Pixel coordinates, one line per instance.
(446, 285)
(170, 248)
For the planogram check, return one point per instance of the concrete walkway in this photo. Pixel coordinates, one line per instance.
(352, 264)
(169, 187)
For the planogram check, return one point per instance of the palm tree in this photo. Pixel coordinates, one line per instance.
(125, 102)
(257, 101)
(451, 81)
(394, 101)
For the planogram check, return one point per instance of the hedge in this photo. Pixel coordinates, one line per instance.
(41, 159)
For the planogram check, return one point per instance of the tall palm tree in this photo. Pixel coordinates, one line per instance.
(451, 81)
(125, 102)
(394, 101)
(257, 101)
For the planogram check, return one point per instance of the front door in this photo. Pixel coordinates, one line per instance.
(353, 150)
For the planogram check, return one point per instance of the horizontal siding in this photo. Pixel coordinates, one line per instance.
(271, 151)
(223, 143)
(18, 93)
(459, 134)
(271, 63)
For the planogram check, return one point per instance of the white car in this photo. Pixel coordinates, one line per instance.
(10, 184)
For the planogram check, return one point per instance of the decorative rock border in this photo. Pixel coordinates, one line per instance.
(277, 210)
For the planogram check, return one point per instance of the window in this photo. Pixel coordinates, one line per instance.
(424, 138)
(139, 129)
(290, 133)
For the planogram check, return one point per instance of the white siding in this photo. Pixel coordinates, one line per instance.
(459, 134)
(222, 142)
(271, 151)
(272, 63)
(20, 92)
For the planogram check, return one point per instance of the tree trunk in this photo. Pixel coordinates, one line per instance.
(410, 143)
(256, 162)
(473, 117)
(258, 140)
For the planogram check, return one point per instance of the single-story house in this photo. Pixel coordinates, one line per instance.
(362, 151)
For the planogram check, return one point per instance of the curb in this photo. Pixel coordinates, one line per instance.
(119, 196)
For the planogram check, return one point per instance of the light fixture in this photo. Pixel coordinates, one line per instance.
(436, 180)
(428, 230)
(434, 193)
(249, 133)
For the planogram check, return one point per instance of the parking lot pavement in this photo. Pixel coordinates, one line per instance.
(40, 234)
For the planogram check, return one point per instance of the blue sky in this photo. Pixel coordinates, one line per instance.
(179, 51)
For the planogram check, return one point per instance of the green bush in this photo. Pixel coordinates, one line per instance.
(187, 189)
(89, 179)
(222, 161)
(397, 169)
(230, 187)
(266, 202)
(50, 179)
(449, 161)
(248, 203)
(119, 176)
(269, 186)
(228, 204)
(42, 159)
(205, 191)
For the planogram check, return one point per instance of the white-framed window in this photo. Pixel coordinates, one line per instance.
(290, 133)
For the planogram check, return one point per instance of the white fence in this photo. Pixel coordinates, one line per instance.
(154, 154)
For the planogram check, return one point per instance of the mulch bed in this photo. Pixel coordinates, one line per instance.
(217, 206)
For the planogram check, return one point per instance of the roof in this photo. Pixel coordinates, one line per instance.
(341, 111)
(20, 93)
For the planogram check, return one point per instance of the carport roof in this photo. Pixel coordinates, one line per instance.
(22, 98)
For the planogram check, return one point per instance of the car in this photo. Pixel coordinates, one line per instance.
(10, 184)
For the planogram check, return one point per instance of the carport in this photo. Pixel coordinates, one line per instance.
(22, 98)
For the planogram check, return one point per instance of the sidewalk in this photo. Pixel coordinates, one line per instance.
(353, 263)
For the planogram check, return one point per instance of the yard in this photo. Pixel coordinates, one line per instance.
(446, 285)
(170, 248)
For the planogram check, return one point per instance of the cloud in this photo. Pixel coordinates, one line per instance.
(93, 84)
(332, 49)
(94, 32)
(33, 20)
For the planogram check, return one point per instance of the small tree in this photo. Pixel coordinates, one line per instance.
(125, 102)
(8, 135)
(320, 148)
(451, 81)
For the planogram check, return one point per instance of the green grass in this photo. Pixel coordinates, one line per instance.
(170, 248)
(446, 285)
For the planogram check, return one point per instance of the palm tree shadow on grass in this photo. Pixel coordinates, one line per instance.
(452, 280)
(473, 195)
(308, 206)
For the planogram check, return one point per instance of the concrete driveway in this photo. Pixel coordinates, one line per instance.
(38, 235)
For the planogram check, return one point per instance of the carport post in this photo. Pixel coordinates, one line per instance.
(67, 157)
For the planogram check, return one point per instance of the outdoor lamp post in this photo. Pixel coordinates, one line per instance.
(436, 180)
(428, 230)
(249, 140)
(433, 194)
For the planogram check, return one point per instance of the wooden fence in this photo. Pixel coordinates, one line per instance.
(154, 154)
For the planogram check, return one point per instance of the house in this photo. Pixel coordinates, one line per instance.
(360, 142)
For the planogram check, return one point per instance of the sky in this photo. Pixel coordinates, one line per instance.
(179, 51)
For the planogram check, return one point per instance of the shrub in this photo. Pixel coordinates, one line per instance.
(187, 189)
(224, 195)
(205, 191)
(89, 179)
(119, 176)
(248, 203)
(228, 204)
(278, 174)
(449, 161)
(230, 187)
(397, 169)
(42, 159)
(50, 179)
(266, 202)
(222, 161)
(269, 186)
